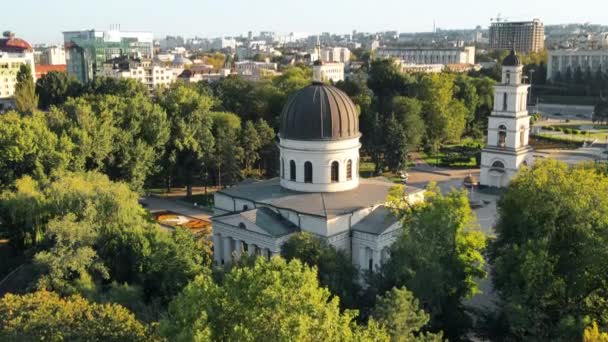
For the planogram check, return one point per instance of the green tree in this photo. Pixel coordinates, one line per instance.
(28, 147)
(69, 264)
(438, 257)
(55, 88)
(26, 100)
(45, 316)
(123, 87)
(191, 141)
(91, 131)
(395, 144)
(141, 133)
(445, 117)
(386, 81)
(408, 111)
(399, 312)
(228, 153)
(270, 298)
(549, 254)
(251, 144)
(336, 271)
(268, 150)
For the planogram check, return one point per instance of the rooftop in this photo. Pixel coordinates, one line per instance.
(377, 221)
(271, 223)
(370, 192)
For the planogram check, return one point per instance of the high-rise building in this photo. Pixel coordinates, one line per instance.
(507, 148)
(523, 36)
(14, 52)
(87, 51)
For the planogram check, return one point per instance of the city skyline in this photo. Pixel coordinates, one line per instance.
(208, 19)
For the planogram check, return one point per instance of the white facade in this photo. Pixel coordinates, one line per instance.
(328, 72)
(255, 71)
(145, 71)
(332, 165)
(507, 148)
(560, 61)
(335, 55)
(462, 55)
(54, 55)
(10, 62)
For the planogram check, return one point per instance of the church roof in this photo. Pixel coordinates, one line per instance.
(370, 192)
(377, 222)
(319, 112)
(263, 218)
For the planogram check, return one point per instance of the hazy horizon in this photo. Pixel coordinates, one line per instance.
(44, 22)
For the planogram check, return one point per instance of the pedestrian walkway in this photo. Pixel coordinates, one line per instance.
(156, 204)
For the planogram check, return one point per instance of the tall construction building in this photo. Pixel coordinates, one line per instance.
(523, 36)
(87, 51)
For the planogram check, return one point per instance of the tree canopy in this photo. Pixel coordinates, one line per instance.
(438, 257)
(44, 315)
(270, 298)
(550, 250)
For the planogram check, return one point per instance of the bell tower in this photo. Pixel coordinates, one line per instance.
(507, 148)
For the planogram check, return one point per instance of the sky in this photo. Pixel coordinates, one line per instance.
(42, 21)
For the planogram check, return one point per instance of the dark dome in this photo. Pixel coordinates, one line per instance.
(511, 60)
(319, 112)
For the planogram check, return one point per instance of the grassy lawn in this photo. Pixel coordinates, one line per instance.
(600, 133)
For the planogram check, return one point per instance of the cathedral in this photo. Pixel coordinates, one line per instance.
(319, 190)
(507, 148)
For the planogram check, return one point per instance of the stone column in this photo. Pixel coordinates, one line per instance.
(265, 253)
(217, 249)
(363, 258)
(376, 259)
(238, 248)
(227, 250)
(251, 250)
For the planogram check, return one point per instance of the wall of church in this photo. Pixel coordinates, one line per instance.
(222, 203)
(321, 154)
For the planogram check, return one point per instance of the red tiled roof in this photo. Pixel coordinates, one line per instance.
(42, 70)
(14, 45)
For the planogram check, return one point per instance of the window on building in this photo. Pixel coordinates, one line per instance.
(292, 171)
(504, 101)
(282, 168)
(498, 165)
(349, 170)
(370, 264)
(522, 136)
(308, 172)
(508, 77)
(335, 171)
(502, 136)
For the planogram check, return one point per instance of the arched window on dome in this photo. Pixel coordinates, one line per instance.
(282, 168)
(502, 136)
(308, 172)
(292, 170)
(349, 170)
(335, 172)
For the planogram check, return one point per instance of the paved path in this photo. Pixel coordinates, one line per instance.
(156, 204)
